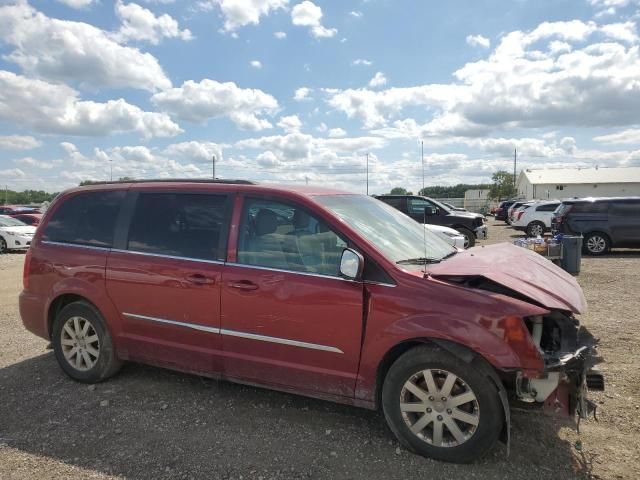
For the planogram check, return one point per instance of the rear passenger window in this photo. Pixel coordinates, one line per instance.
(180, 225)
(628, 208)
(547, 208)
(85, 219)
(590, 207)
(286, 237)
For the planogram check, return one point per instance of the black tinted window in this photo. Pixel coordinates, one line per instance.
(417, 206)
(590, 207)
(180, 225)
(85, 219)
(626, 208)
(284, 236)
(547, 208)
(395, 202)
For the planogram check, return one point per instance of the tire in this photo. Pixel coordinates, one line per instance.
(596, 243)
(469, 237)
(86, 333)
(3, 245)
(484, 408)
(535, 228)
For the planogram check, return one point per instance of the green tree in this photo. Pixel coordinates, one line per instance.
(399, 191)
(503, 185)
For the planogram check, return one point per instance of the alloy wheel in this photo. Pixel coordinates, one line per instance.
(439, 408)
(596, 244)
(80, 343)
(536, 229)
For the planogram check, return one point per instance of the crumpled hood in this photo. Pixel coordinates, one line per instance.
(518, 269)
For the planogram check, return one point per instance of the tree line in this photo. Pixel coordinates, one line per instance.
(12, 197)
(501, 188)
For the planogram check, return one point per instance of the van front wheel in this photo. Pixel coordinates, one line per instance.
(82, 344)
(441, 407)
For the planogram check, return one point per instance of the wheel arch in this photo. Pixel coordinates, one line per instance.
(460, 351)
(62, 301)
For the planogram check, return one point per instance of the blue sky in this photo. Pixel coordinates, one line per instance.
(294, 91)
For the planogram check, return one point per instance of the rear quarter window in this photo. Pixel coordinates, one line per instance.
(86, 218)
(590, 207)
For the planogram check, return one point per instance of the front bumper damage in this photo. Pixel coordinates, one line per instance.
(570, 371)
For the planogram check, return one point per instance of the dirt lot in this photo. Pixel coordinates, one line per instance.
(153, 423)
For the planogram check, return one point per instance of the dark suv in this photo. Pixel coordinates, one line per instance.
(430, 211)
(605, 223)
(503, 208)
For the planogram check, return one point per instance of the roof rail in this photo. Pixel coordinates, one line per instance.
(171, 180)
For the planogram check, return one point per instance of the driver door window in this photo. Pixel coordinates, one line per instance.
(417, 207)
(286, 237)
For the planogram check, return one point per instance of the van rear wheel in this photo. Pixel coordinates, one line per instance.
(82, 344)
(441, 407)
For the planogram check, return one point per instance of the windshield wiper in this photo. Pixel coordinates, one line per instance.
(418, 261)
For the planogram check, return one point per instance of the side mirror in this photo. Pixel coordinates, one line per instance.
(351, 264)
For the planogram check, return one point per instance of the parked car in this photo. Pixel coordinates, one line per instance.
(32, 219)
(513, 207)
(453, 207)
(430, 211)
(449, 235)
(15, 209)
(502, 211)
(605, 223)
(311, 291)
(535, 218)
(14, 234)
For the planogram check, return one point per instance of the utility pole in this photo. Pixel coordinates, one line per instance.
(422, 157)
(111, 169)
(213, 158)
(6, 194)
(306, 179)
(515, 161)
(367, 173)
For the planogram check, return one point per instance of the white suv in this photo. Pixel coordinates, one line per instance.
(535, 218)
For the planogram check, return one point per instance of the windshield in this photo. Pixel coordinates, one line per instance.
(397, 236)
(10, 222)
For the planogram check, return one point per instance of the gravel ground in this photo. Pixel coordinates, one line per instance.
(153, 423)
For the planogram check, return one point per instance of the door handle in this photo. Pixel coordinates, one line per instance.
(243, 285)
(200, 279)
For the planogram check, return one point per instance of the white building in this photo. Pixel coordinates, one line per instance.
(579, 182)
(474, 200)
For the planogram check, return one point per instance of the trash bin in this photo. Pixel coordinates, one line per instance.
(571, 254)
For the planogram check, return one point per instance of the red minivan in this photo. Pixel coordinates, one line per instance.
(311, 291)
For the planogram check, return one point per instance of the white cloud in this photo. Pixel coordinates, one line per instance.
(280, 35)
(18, 142)
(528, 82)
(322, 127)
(194, 151)
(255, 64)
(301, 94)
(77, 3)
(12, 173)
(290, 123)
(337, 133)
(378, 80)
(308, 14)
(478, 41)
(140, 24)
(356, 13)
(32, 162)
(64, 50)
(629, 136)
(199, 101)
(55, 108)
(239, 13)
(362, 61)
